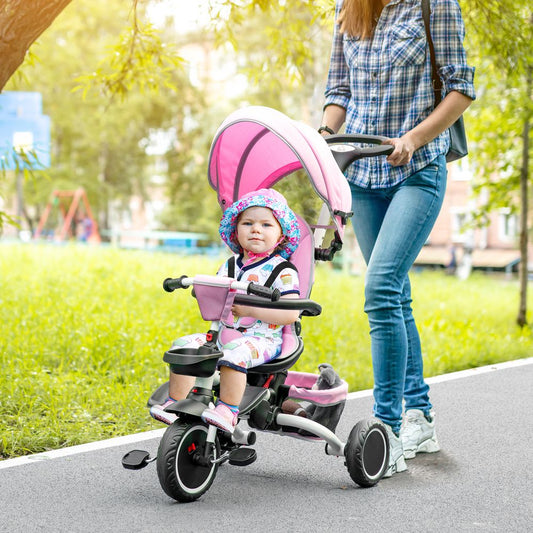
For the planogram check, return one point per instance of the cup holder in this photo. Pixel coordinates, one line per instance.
(200, 362)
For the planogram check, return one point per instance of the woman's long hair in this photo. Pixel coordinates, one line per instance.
(358, 17)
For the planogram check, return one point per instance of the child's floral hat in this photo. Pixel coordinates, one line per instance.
(262, 198)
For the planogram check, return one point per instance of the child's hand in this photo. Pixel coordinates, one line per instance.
(241, 310)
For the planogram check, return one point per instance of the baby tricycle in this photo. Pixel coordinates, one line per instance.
(255, 148)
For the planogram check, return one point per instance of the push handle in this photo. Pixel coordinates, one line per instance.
(345, 153)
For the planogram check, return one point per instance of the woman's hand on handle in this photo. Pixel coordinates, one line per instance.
(403, 151)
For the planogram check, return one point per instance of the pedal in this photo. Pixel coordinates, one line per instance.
(136, 459)
(242, 456)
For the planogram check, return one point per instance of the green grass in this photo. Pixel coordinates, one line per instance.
(84, 329)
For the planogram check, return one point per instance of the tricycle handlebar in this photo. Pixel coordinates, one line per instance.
(256, 295)
(308, 307)
(171, 284)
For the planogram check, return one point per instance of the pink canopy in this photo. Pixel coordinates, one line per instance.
(257, 146)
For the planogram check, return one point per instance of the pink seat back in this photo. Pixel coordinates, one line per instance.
(304, 260)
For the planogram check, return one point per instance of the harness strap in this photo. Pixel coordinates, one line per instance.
(231, 267)
(277, 270)
(273, 275)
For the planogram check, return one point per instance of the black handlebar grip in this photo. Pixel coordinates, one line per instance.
(369, 151)
(265, 292)
(171, 284)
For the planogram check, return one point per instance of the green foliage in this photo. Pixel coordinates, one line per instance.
(83, 331)
(496, 120)
(140, 61)
(282, 47)
(98, 142)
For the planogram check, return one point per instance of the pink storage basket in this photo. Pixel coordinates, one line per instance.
(301, 384)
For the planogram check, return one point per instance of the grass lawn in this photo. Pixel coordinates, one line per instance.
(84, 329)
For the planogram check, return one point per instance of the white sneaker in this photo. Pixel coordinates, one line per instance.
(418, 434)
(396, 457)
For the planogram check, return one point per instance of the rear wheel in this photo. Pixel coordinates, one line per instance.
(367, 452)
(182, 473)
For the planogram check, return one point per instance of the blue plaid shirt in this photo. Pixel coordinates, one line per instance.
(384, 83)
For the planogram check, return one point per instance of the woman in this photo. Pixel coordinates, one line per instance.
(379, 83)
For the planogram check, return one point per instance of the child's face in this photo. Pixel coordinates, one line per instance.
(258, 230)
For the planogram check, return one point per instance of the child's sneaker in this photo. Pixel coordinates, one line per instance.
(158, 412)
(222, 417)
(418, 434)
(396, 457)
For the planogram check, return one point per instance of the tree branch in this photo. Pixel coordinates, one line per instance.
(21, 23)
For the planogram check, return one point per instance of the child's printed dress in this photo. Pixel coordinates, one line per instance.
(247, 342)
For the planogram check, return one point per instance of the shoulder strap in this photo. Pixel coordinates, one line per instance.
(437, 82)
(231, 267)
(276, 272)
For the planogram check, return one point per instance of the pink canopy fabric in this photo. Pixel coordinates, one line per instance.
(257, 146)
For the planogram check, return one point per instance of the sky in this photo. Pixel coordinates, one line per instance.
(192, 13)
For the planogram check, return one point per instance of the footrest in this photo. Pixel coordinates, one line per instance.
(252, 397)
(242, 456)
(136, 459)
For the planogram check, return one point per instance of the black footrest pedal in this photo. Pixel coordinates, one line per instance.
(136, 459)
(242, 456)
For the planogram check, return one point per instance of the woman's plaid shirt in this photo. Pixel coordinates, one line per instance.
(384, 83)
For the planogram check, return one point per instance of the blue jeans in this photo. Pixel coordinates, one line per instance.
(391, 226)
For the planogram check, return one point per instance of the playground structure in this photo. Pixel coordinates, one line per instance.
(76, 212)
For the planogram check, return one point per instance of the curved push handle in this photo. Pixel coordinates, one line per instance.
(345, 152)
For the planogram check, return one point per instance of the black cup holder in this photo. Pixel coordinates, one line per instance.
(200, 362)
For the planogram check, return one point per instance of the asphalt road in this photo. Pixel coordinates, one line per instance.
(480, 481)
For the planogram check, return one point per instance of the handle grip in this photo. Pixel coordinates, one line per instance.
(348, 153)
(171, 284)
(265, 292)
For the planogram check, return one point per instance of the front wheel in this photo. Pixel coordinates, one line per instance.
(182, 473)
(367, 452)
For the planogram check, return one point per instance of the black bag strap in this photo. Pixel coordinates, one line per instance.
(273, 275)
(436, 81)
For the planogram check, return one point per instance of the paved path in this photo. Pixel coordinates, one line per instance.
(480, 481)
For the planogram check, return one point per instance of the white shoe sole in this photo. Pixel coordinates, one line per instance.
(428, 446)
(399, 466)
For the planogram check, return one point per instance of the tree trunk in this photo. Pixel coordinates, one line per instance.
(21, 23)
(524, 207)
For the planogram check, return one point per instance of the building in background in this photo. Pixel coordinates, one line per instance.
(454, 239)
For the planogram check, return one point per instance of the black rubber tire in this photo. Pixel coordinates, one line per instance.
(367, 452)
(181, 477)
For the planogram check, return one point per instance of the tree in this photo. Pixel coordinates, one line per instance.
(21, 23)
(499, 39)
(500, 122)
(135, 61)
(98, 140)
